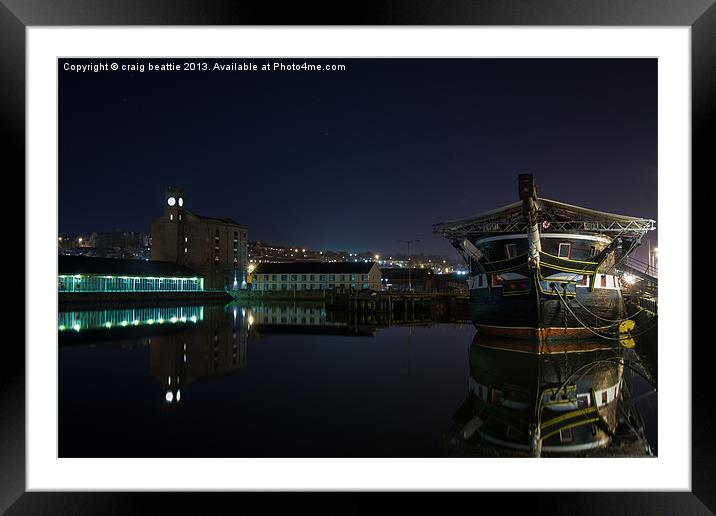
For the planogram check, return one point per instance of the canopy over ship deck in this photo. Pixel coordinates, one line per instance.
(556, 217)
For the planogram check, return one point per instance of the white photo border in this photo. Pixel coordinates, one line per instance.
(671, 470)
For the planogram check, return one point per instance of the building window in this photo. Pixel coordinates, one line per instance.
(603, 280)
(284, 277)
(510, 250)
(565, 250)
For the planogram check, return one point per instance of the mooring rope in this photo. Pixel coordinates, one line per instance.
(615, 321)
(586, 327)
(607, 337)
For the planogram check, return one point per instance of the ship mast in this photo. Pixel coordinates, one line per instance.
(528, 196)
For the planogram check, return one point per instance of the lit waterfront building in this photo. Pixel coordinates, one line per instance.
(83, 274)
(214, 247)
(317, 276)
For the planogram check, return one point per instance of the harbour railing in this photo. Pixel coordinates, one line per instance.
(648, 303)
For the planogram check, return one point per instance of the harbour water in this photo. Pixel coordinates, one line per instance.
(278, 380)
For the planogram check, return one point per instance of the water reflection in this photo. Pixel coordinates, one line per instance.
(311, 318)
(215, 348)
(83, 320)
(565, 402)
(190, 364)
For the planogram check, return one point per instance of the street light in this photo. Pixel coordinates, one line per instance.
(410, 283)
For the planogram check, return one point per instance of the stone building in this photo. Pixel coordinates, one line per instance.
(214, 247)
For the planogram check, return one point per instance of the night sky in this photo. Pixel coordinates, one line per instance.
(355, 160)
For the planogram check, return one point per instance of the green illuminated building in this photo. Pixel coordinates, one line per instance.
(82, 274)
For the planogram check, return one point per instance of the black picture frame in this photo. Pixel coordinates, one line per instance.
(17, 15)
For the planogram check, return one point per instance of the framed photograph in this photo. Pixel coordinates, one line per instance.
(418, 250)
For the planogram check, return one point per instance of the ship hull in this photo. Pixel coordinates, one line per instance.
(541, 316)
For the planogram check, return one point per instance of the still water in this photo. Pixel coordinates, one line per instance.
(299, 381)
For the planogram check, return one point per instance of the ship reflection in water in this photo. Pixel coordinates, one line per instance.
(297, 380)
(575, 400)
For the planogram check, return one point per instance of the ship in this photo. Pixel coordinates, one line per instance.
(545, 270)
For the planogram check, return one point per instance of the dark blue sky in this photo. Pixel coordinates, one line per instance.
(358, 159)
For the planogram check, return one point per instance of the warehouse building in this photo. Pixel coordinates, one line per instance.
(316, 276)
(214, 247)
(83, 274)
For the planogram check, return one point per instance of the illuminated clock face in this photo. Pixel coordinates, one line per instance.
(181, 201)
(171, 201)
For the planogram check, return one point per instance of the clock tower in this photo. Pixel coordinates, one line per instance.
(174, 204)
